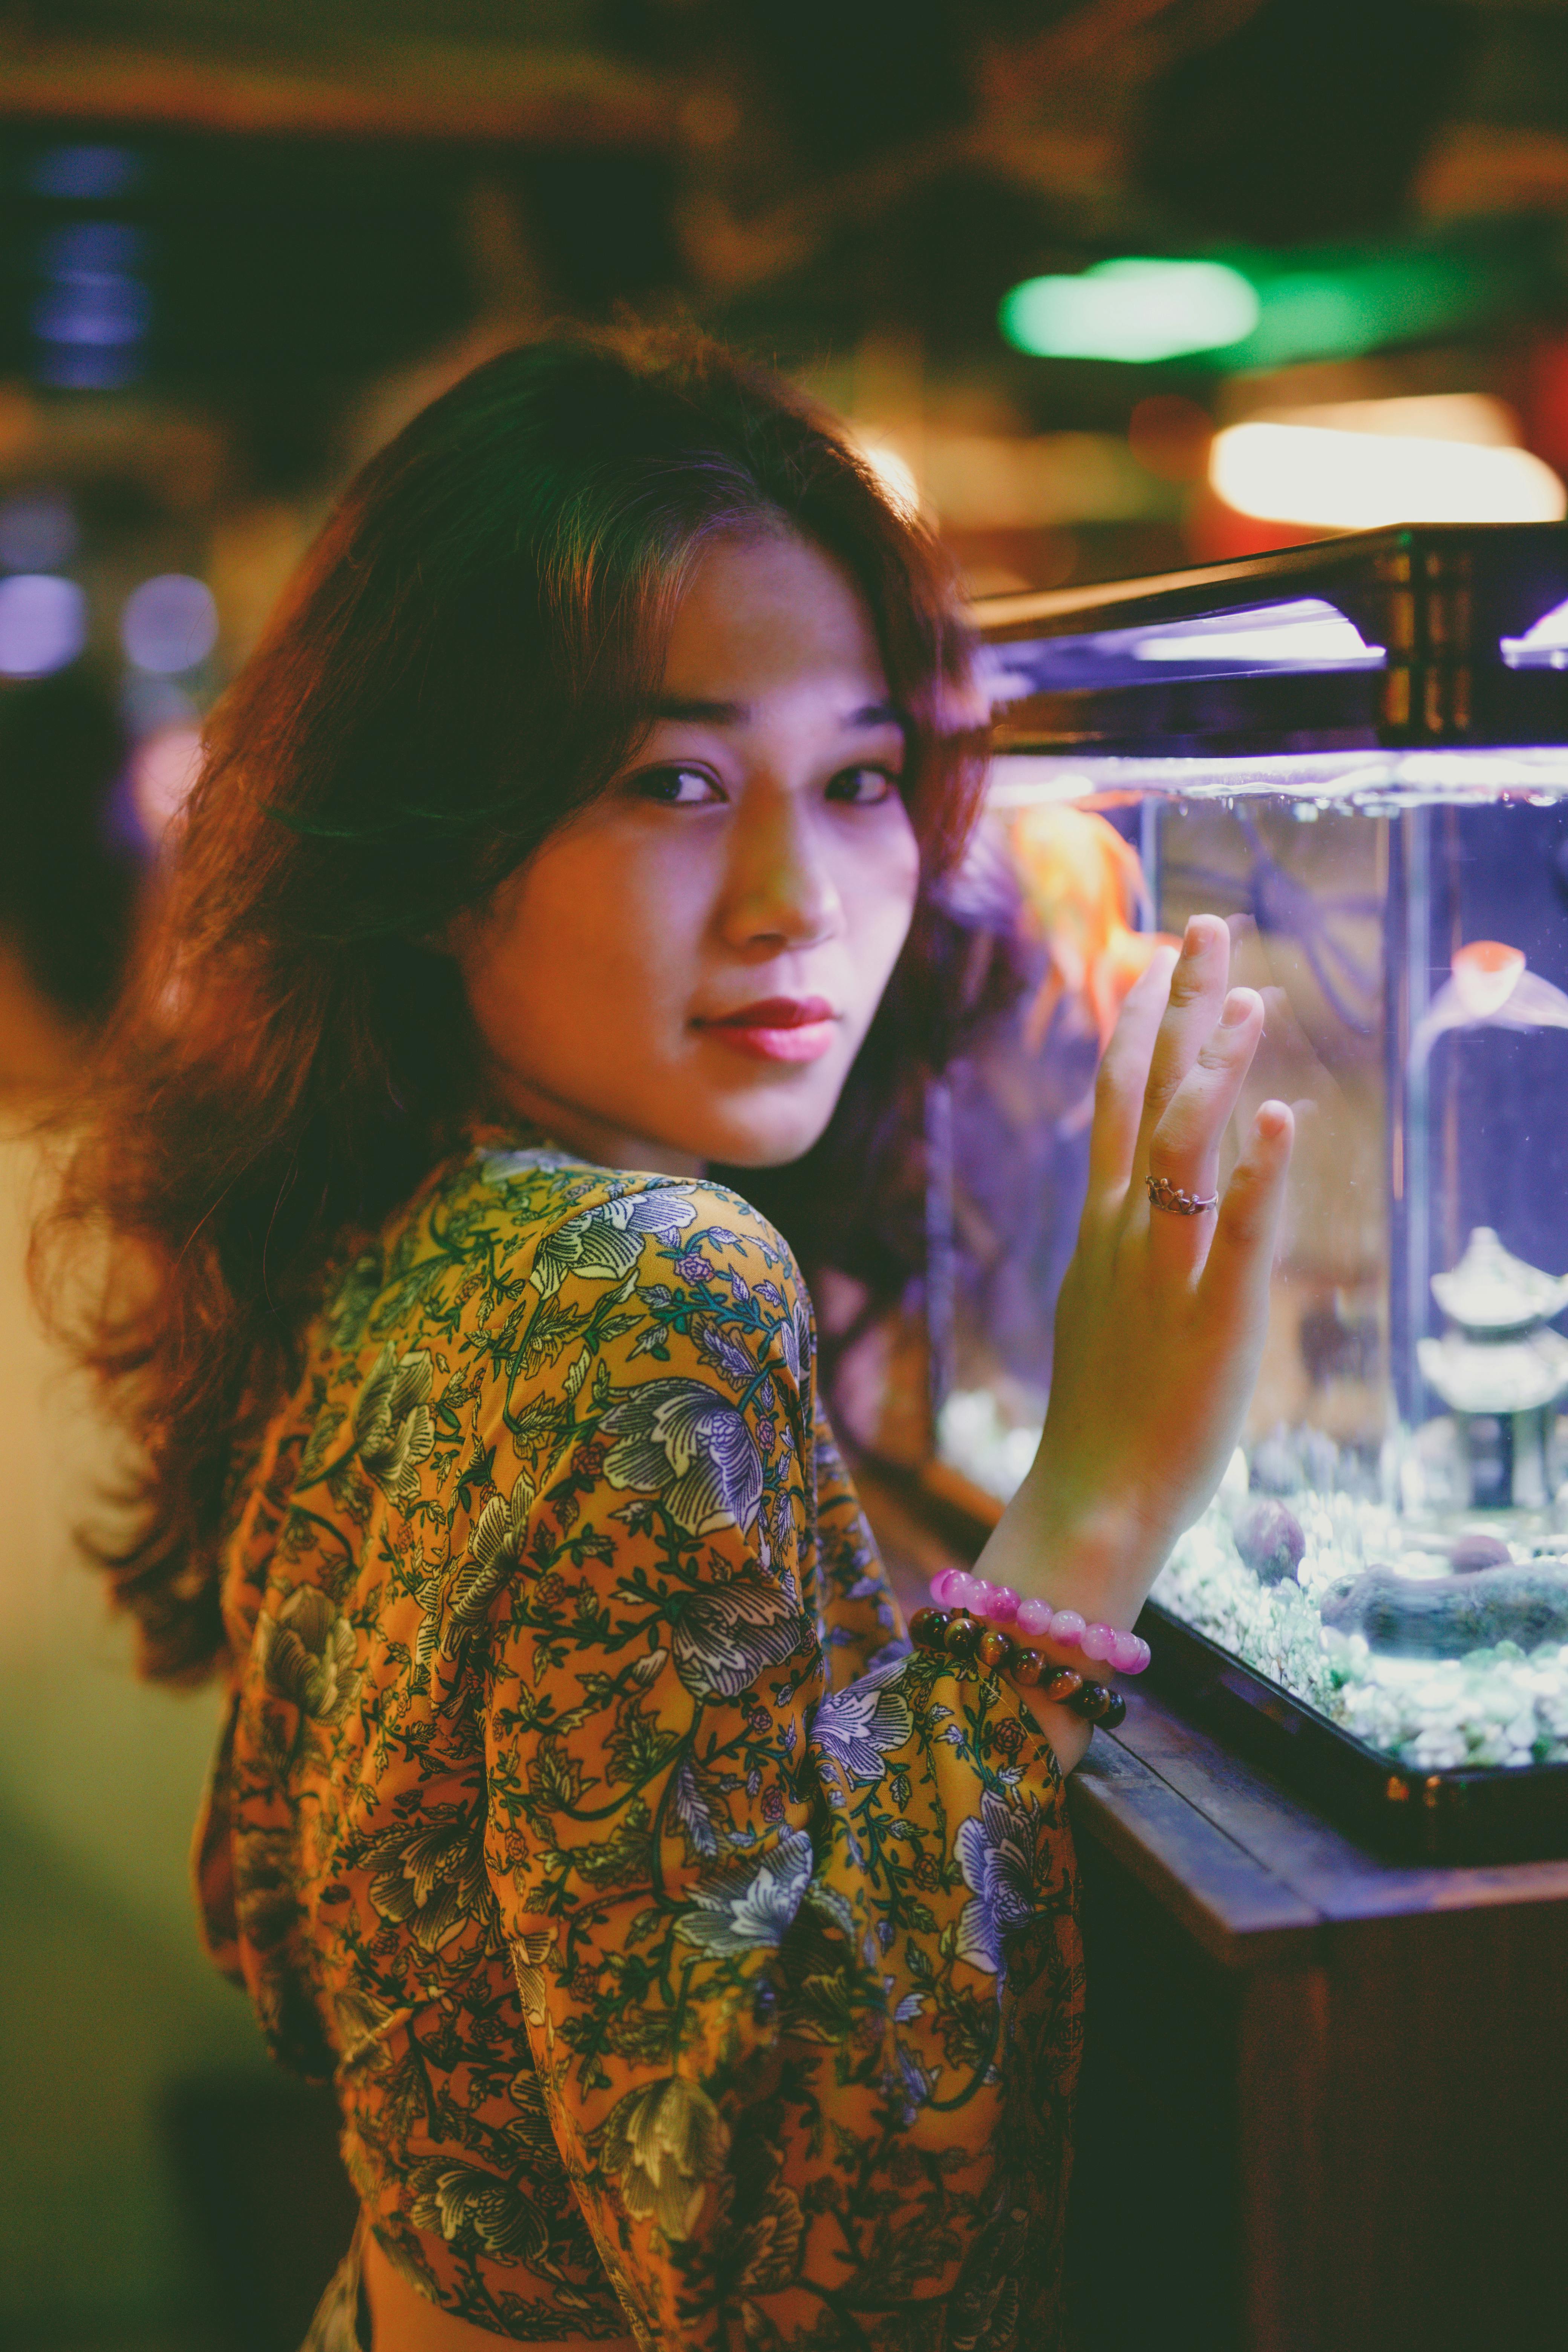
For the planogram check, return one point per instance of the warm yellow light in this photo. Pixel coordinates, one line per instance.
(1339, 481)
(1001, 482)
(1411, 416)
(895, 474)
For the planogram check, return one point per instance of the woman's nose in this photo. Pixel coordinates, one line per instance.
(782, 888)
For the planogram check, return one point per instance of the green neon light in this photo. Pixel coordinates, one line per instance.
(1338, 306)
(1251, 309)
(1131, 310)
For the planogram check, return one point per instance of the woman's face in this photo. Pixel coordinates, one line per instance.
(687, 968)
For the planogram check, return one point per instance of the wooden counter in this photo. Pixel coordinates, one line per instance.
(1325, 2097)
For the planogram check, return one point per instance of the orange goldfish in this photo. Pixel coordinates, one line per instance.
(1085, 887)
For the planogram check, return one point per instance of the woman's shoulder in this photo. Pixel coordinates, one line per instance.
(508, 1224)
(567, 1217)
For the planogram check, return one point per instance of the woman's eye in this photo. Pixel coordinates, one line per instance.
(677, 787)
(863, 787)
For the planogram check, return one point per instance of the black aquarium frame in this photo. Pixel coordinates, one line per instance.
(1474, 1814)
(1440, 599)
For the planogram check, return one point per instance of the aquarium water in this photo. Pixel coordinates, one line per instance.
(1390, 1543)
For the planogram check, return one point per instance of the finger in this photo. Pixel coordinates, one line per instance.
(1184, 1148)
(1241, 1256)
(1124, 1076)
(1197, 992)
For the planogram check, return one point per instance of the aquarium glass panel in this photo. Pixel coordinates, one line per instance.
(1390, 1541)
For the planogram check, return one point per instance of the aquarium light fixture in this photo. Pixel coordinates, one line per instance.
(1377, 782)
(1131, 308)
(1335, 480)
(1306, 635)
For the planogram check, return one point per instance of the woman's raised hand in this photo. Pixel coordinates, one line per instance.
(1162, 1316)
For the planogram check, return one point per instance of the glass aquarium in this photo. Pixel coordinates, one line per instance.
(1358, 755)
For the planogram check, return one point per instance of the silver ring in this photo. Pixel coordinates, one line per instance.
(1164, 1194)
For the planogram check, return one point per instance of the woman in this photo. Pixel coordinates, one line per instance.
(689, 1958)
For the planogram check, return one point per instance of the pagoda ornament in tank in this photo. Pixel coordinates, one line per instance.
(1501, 1369)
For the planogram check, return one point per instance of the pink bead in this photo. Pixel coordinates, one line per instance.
(1131, 1653)
(1068, 1627)
(940, 1585)
(1004, 1610)
(1035, 1618)
(1099, 1640)
(984, 1594)
(962, 1590)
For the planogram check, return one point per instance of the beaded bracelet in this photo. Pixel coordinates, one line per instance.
(1125, 1654)
(958, 1635)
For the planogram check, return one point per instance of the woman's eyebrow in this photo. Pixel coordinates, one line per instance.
(737, 714)
(712, 714)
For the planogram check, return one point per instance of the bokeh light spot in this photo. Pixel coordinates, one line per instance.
(88, 248)
(1131, 308)
(170, 623)
(85, 170)
(1338, 480)
(43, 623)
(100, 312)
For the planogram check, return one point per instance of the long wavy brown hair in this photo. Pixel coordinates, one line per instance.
(467, 654)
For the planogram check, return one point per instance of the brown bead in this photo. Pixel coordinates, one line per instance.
(960, 1636)
(928, 1628)
(1027, 1666)
(1115, 1713)
(993, 1648)
(1063, 1685)
(1094, 1702)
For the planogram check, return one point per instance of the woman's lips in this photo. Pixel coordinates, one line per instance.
(777, 1029)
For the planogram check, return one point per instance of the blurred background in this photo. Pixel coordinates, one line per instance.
(1106, 286)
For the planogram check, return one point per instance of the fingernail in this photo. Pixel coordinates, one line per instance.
(1193, 938)
(1238, 1007)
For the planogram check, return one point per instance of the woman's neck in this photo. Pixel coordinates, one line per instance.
(579, 1132)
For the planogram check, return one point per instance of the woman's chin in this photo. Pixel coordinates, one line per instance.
(762, 1134)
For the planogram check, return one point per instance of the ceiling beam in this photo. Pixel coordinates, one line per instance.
(397, 89)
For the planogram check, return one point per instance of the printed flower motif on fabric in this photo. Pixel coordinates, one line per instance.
(684, 1442)
(306, 1654)
(860, 1727)
(1000, 1868)
(678, 1940)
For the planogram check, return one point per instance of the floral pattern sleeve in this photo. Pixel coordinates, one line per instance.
(791, 1911)
(683, 1952)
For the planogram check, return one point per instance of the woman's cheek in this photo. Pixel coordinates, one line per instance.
(888, 895)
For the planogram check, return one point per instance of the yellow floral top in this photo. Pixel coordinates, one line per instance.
(688, 1955)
